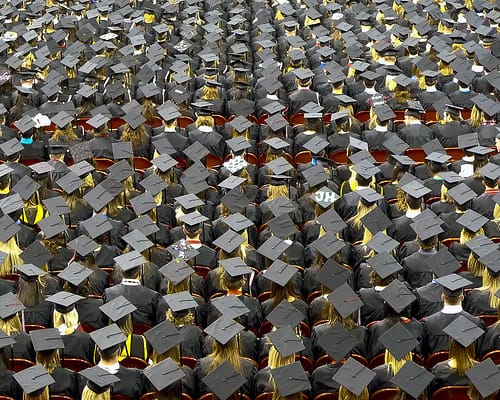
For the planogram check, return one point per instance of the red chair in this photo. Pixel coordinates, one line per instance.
(297, 119)
(87, 327)
(212, 161)
(58, 397)
(18, 364)
(33, 327)
(379, 155)
(431, 116)
(189, 361)
(362, 116)
(465, 113)
(451, 393)
(264, 296)
(84, 124)
(262, 119)
(339, 157)
(456, 153)
(219, 120)
(140, 328)
(302, 157)
(313, 295)
(31, 161)
(448, 241)
(76, 364)
(115, 123)
(102, 164)
(306, 362)
(431, 200)
(435, 358)
(489, 319)
(184, 120)
(6, 398)
(385, 394)
(494, 355)
(202, 270)
(134, 362)
(155, 123)
(416, 154)
(11, 277)
(251, 158)
(118, 396)
(377, 360)
(142, 163)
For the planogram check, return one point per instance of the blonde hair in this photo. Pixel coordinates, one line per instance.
(88, 394)
(187, 319)
(204, 120)
(64, 135)
(137, 136)
(275, 191)
(461, 358)
(44, 395)
(229, 352)
(394, 363)
(13, 251)
(210, 93)
(445, 69)
(50, 360)
(491, 284)
(476, 117)
(475, 266)
(346, 394)
(362, 210)
(466, 235)
(275, 360)
(70, 319)
(11, 325)
(148, 110)
(334, 317)
(173, 353)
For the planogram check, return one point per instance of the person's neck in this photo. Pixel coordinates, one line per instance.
(109, 363)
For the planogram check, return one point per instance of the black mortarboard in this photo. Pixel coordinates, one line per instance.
(99, 379)
(345, 300)
(282, 226)
(235, 267)
(397, 295)
(108, 337)
(96, 225)
(196, 151)
(64, 301)
(492, 262)
(286, 341)
(122, 150)
(315, 175)
(443, 263)
(117, 308)
(46, 339)
(316, 144)
(453, 284)
(29, 272)
(36, 254)
(180, 301)
(412, 378)
(11, 146)
(369, 195)
(285, 314)
(279, 166)
(83, 245)
(333, 275)
(33, 379)
(384, 265)
(75, 273)
(491, 171)
(472, 220)
(163, 337)
(61, 119)
(5, 340)
(120, 170)
(80, 152)
(143, 203)
(384, 113)
(463, 330)
(70, 182)
(276, 143)
(484, 377)
(9, 228)
(238, 144)
(164, 162)
(376, 221)
(223, 329)
(426, 228)
(229, 241)
(331, 221)
(42, 167)
(98, 198)
(461, 193)
(328, 244)
(233, 181)
(11, 204)
(52, 225)
(415, 189)
(9, 305)
(164, 374)
(481, 245)
(176, 271)
(193, 218)
(280, 272)
(81, 168)
(290, 379)
(137, 240)
(238, 222)
(337, 342)
(273, 247)
(230, 306)
(130, 260)
(397, 147)
(224, 380)
(398, 340)
(468, 140)
(437, 157)
(354, 376)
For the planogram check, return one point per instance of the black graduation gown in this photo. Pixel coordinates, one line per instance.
(444, 375)
(150, 305)
(185, 385)
(192, 341)
(319, 330)
(251, 320)
(89, 312)
(78, 345)
(435, 339)
(416, 271)
(428, 300)
(477, 302)
(373, 308)
(40, 314)
(65, 383)
(382, 379)
(247, 341)
(490, 341)
(322, 379)
(267, 308)
(416, 135)
(9, 386)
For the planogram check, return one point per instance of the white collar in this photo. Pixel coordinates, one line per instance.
(370, 90)
(381, 128)
(431, 89)
(412, 213)
(204, 128)
(452, 309)
(112, 369)
(131, 282)
(415, 122)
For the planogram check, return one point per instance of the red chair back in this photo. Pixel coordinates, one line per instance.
(134, 362)
(189, 361)
(385, 394)
(451, 393)
(18, 364)
(140, 328)
(76, 364)
(494, 355)
(435, 358)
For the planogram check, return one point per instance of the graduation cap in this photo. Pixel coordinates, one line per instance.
(36, 254)
(130, 260)
(369, 195)
(108, 338)
(384, 265)
(397, 295)
(331, 221)
(235, 200)
(290, 379)
(223, 329)
(96, 225)
(98, 198)
(180, 301)
(463, 330)
(481, 245)
(286, 341)
(426, 228)
(230, 306)
(279, 166)
(397, 147)
(164, 374)
(33, 379)
(9, 228)
(98, 379)
(337, 342)
(472, 220)
(437, 157)
(70, 182)
(415, 189)
(280, 272)
(491, 261)
(273, 247)
(11, 147)
(9, 306)
(5, 340)
(122, 150)
(315, 175)
(182, 250)
(324, 197)
(345, 300)
(412, 378)
(376, 221)
(176, 271)
(11, 204)
(235, 267)
(224, 380)
(398, 340)
(285, 314)
(118, 308)
(46, 339)
(229, 241)
(163, 337)
(328, 244)
(461, 193)
(354, 376)
(442, 263)
(81, 168)
(143, 203)
(453, 284)
(237, 222)
(282, 226)
(484, 377)
(75, 273)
